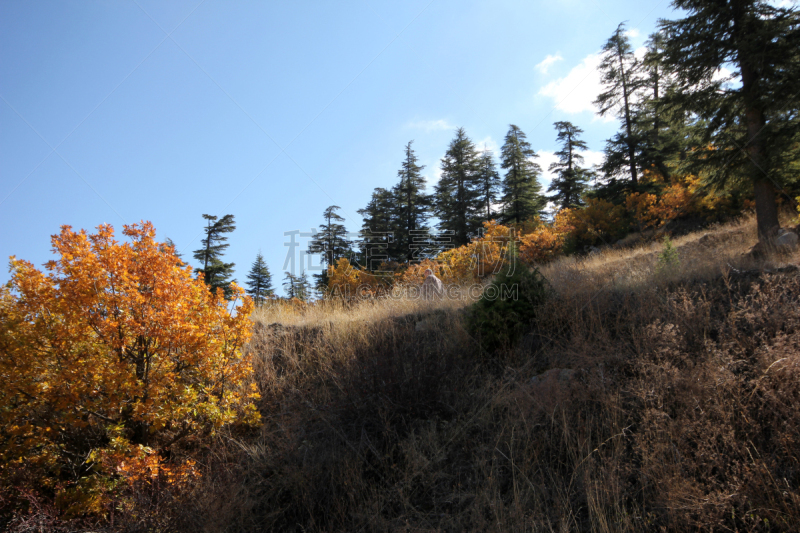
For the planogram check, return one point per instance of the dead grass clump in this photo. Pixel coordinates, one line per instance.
(719, 428)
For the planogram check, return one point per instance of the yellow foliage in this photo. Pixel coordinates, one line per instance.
(415, 273)
(543, 245)
(348, 282)
(651, 175)
(676, 200)
(116, 343)
(798, 209)
(482, 257)
(683, 197)
(459, 265)
(592, 223)
(562, 222)
(466, 264)
(642, 207)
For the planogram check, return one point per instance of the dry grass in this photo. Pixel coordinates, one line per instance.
(339, 313)
(703, 255)
(664, 400)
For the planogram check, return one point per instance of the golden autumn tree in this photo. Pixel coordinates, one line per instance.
(599, 220)
(348, 282)
(546, 241)
(483, 256)
(540, 246)
(114, 358)
(643, 209)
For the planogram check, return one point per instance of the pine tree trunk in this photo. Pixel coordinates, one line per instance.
(409, 223)
(763, 190)
(208, 253)
(568, 199)
(628, 129)
(656, 122)
(516, 193)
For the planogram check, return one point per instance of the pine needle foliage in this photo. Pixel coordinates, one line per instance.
(522, 198)
(457, 199)
(621, 80)
(508, 305)
(259, 281)
(749, 119)
(571, 179)
(216, 273)
(412, 205)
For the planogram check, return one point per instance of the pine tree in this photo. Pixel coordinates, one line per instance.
(753, 126)
(571, 179)
(650, 108)
(522, 198)
(296, 286)
(661, 130)
(331, 242)
(457, 200)
(489, 180)
(259, 281)
(377, 232)
(412, 204)
(303, 287)
(216, 273)
(622, 80)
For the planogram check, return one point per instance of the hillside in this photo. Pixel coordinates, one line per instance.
(642, 398)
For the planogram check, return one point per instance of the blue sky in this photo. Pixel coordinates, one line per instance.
(121, 111)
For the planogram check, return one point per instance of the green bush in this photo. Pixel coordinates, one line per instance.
(668, 259)
(507, 307)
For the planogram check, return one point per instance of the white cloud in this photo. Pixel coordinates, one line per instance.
(592, 158)
(547, 62)
(546, 158)
(489, 143)
(433, 176)
(632, 33)
(575, 92)
(431, 125)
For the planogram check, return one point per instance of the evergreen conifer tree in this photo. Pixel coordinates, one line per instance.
(652, 126)
(489, 181)
(303, 287)
(752, 126)
(377, 232)
(457, 200)
(259, 281)
(330, 242)
(662, 132)
(412, 204)
(216, 273)
(296, 286)
(571, 179)
(522, 198)
(622, 80)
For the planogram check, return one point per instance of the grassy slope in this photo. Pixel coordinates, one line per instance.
(680, 410)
